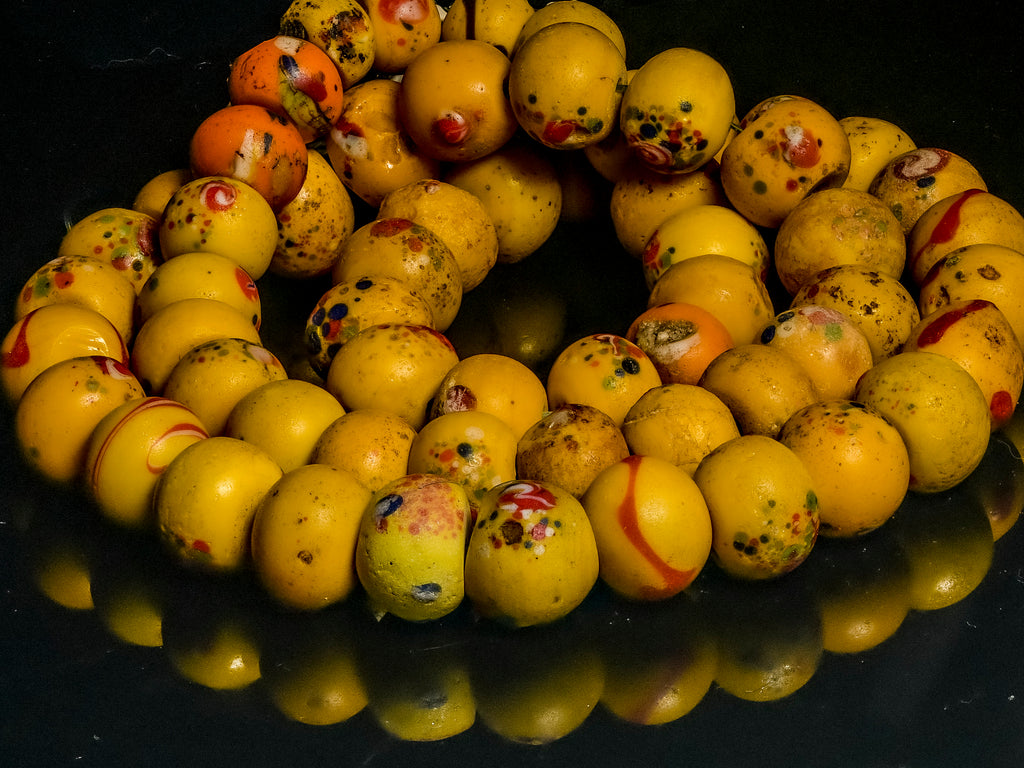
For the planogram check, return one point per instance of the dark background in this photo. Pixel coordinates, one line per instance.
(101, 96)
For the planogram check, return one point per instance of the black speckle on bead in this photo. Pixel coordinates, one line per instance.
(465, 450)
(768, 334)
(685, 106)
(926, 182)
(758, 134)
(363, 284)
(631, 366)
(387, 505)
(338, 311)
(785, 317)
(648, 131)
(318, 316)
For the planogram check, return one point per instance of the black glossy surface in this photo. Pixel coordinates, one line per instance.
(102, 96)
